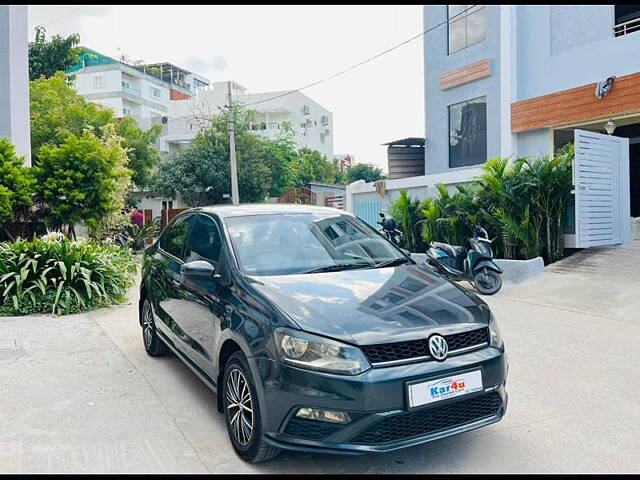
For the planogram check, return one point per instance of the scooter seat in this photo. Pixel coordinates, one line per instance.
(453, 250)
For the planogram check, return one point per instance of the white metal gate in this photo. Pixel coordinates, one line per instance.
(601, 187)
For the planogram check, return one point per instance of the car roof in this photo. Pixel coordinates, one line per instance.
(227, 211)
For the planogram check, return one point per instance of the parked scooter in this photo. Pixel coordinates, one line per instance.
(389, 229)
(475, 265)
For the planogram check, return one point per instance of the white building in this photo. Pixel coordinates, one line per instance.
(311, 123)
(138, 91)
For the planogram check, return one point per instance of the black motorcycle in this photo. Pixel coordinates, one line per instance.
(475, 265)
(389, 229)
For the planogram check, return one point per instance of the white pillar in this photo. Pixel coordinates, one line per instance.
(508, 78)
(14, 79)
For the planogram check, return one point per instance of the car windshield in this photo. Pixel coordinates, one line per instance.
(284, 244)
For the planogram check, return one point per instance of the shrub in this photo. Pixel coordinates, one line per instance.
(16, 184)
(406, 212)
(522, 204)
(56, 275)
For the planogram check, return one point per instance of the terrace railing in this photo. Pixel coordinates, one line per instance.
(627, 27)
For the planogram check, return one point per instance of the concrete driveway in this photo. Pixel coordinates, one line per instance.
(79, 394)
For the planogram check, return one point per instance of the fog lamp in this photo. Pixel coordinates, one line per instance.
(323, 415)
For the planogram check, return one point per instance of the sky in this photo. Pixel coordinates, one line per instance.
(267, 48)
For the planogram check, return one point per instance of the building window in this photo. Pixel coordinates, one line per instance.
(322, 138)
(155, 92)
(97, 81)
(126, 111)
(468, 133)
(324, 120)
(467, 26)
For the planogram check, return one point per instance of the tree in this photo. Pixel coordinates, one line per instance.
(57, 111)
(83, 178)
(312, 166)
(281, 156)
(201, 173)
(143, 157)
(363, 171)
(48, 57)
(16, 184)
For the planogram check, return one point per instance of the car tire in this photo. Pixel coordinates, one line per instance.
(242, 412)
(152, 343)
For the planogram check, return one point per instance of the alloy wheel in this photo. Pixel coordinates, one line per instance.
(147, 325)
(239, 406)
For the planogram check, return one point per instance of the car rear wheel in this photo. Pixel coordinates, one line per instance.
(242, 412)
(152, 343)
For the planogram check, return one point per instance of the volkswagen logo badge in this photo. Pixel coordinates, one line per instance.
(438, 347)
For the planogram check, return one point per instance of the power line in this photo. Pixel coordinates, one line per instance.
(352, 67)
(63, 16)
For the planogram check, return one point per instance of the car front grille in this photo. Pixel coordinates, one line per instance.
(430, 420)
(405, 351)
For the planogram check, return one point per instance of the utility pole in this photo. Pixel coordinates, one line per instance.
(235, 198)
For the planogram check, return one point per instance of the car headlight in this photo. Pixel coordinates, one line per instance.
(494, 333)
(309, 351)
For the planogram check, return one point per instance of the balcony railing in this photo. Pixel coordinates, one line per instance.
(627, 27)
(131, 91)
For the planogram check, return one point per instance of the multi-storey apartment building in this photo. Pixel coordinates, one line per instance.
(310, 122)
(518, 80)
(139, 91)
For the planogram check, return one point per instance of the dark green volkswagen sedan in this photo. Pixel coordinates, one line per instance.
(317, 333)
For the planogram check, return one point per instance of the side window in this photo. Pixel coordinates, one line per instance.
(173, 239)
(204, 242)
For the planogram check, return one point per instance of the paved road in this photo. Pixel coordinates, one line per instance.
(78, 393)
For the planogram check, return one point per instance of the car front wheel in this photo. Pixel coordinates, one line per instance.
(242, 412)
(152, 343)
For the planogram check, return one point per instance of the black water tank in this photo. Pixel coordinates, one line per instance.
(406, 158)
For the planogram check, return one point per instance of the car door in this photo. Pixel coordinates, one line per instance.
(204, 308)
(166, 288)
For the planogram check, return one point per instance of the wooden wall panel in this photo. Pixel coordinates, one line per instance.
(466, 74)
(576, 104)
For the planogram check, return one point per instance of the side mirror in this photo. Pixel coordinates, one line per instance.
(198, 268)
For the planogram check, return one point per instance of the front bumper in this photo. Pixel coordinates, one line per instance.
(373, 398)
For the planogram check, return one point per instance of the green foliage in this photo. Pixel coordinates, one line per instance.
(281, 155)
(449, 218)
(16, 184)
(57, 111)
(83, 179)
(53, 274)
(138, 234)
(406, 213)
(46, 58)
(312, 166)
(363, 171)
(201, 173)
(143, 157)
(522, 205)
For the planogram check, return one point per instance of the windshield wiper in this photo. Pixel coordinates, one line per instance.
(392, 263)
(337, 267)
